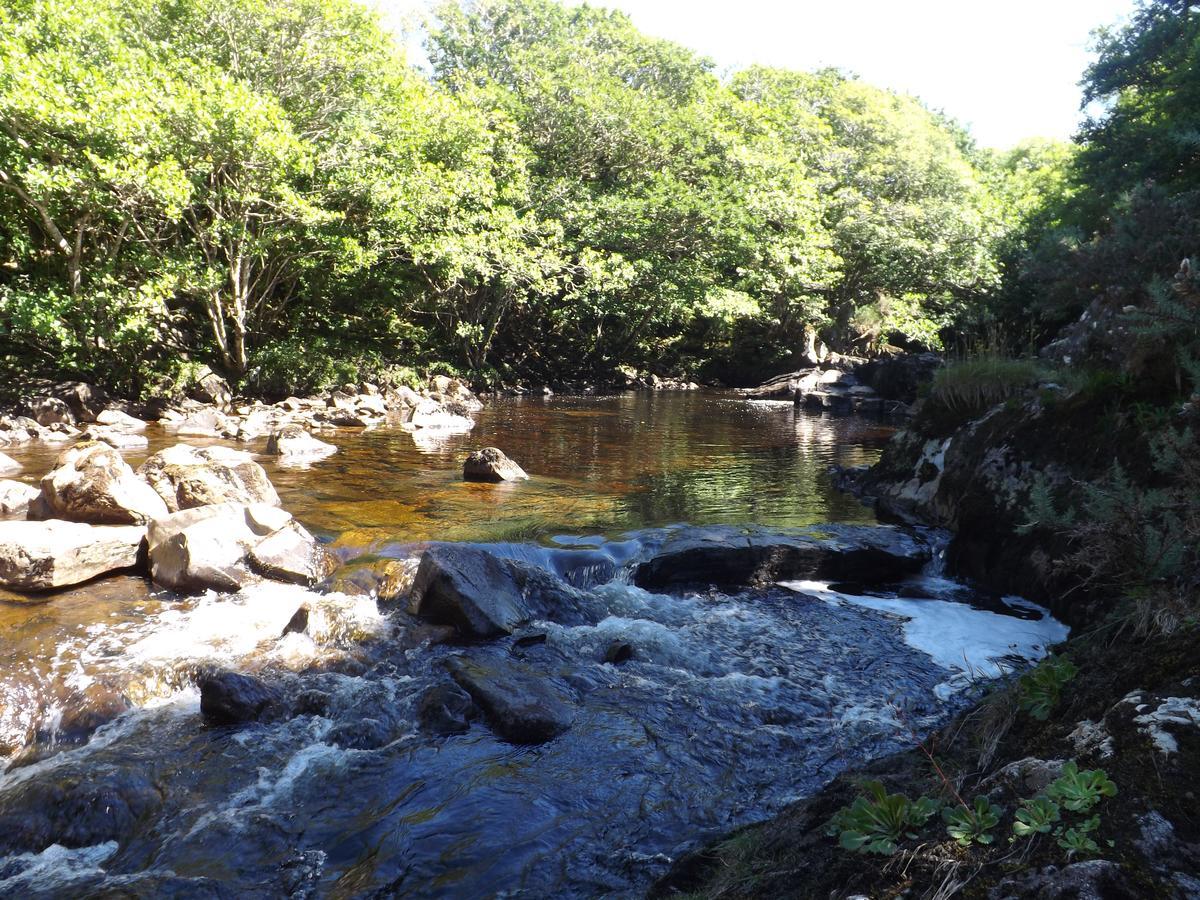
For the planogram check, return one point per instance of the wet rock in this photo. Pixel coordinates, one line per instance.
(293, 555)
(206, 547)
(8, 465)
(446, 709)
(75, 809)
(618, 652)
(366, 733)
(297, 624)
(519, 705)
(187, 477)
(1024, 777)
(91, 483)
(470, 589)
(37, 556)
(292, 441)
(120, 421)
(15, 497)
(491, 464)
(115, 437)
(731, 555)
(231, 698)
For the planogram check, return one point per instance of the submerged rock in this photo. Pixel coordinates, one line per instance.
(186, 477)
(91, 483)
(492, 464)
(519, 705)
(732, 555)
(36, 556)
(446, 709)
(230, 698)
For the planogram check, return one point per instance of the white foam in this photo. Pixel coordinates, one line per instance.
(970, 642)
(56, 867)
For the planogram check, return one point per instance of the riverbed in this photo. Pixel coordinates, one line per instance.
(732, 704)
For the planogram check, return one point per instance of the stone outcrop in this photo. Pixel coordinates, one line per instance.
(91, 483)
(492, 464)
(519, 705)
(186, 477)
(38, 556)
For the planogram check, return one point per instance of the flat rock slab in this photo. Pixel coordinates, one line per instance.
(751, 555)
(38, 556)
(520, 706)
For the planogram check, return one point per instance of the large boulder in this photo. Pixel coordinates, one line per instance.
(484, 596)
(293, 442)
(49, 411)
(91, 483)
(203, 422)
(206, 547)
(732, 555)
(119, 421)
(469, 588)
(117, 438)
(85, 401)
(291, 554)
(37, 556)
(187, 477)
(520, 705)
(492, 464)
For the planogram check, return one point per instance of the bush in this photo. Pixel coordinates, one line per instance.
(307, 365)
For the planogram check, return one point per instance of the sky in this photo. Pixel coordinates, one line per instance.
(1008, 70)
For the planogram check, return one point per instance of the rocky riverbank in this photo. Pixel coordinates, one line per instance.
(1046, 493)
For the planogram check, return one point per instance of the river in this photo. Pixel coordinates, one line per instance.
(732, 705)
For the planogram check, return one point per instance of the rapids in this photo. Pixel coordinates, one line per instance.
(734, 702)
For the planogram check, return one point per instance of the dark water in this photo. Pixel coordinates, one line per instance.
(733, 704)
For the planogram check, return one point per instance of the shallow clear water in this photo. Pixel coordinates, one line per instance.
(732, 705)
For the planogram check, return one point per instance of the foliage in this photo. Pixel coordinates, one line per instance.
(1078, 790)
(876, 821)
(1040, 688)
(971, 387)
(974, 823)
(1036, 816)
(1078, 840)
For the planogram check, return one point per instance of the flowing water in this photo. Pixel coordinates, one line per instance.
(733, 704)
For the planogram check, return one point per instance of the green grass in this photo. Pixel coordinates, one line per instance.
(969, 388)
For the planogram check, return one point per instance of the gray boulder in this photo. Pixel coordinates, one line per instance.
(91, 483)
(37, 556)
(519, 705)
(186, 477)
(293, 555)
(470, 589)
(115, 437)
(8, 465)
(492, 464)
(119, 421)
(206, 547)
(230, 698)
(209, 387)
